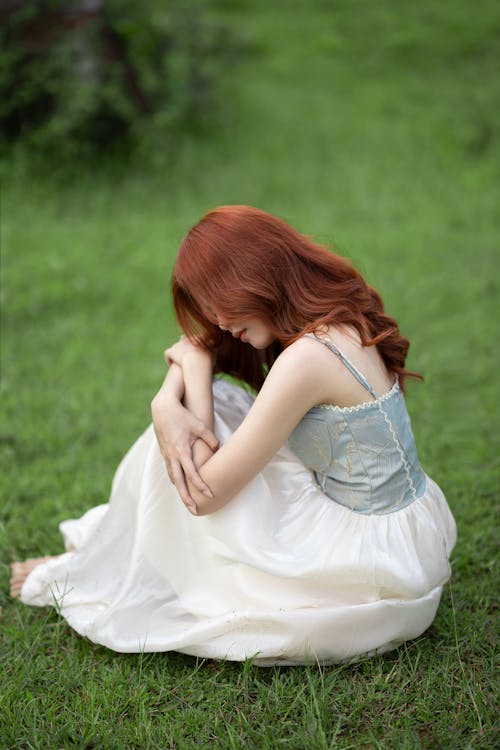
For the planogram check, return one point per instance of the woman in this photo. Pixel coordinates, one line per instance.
(312, 532)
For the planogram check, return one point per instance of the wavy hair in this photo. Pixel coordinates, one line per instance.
(240, 262)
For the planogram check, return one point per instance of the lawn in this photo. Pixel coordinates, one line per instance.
(373, 127)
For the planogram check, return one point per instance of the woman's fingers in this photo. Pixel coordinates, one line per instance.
(191, 473)
(181, 486)
(169, 468)
(207, 436)
(167, 357)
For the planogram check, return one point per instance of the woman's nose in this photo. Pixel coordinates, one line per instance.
(223, 324)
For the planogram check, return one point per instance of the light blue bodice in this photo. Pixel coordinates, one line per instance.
(363, 457)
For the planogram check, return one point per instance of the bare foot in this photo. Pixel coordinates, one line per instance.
(21, 570)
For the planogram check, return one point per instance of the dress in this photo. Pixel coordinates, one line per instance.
(344, 558)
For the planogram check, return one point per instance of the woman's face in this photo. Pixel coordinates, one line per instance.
(249, 330)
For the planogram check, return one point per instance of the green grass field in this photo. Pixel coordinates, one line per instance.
(373, 127)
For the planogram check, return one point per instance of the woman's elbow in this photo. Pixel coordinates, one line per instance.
(206, 506)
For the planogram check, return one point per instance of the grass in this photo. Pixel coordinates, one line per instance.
(372, 126)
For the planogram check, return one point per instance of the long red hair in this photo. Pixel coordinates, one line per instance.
(240, 262)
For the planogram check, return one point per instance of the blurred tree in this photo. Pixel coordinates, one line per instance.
(82, 76)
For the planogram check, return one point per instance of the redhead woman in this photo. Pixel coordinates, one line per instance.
(291, 526)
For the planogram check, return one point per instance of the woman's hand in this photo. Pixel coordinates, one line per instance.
(176, 431)
(183, 350)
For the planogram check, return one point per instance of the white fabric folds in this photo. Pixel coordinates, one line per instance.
(282, 574)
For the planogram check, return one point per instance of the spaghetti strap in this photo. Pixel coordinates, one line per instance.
(347, 362)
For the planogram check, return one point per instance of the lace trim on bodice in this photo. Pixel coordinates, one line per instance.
(360, 407)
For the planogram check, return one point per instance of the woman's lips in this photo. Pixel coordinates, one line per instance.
(239, 334)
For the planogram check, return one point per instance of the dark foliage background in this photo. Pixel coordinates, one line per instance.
(80, 78)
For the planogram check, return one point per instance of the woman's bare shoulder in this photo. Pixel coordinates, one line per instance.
(310, 365)
(327, 373)
(305, 352)
(308, 351)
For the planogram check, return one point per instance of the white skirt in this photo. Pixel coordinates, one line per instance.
(282, 574)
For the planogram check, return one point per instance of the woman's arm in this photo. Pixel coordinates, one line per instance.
(197, 366)
(197, 370)
(176, 431)
(172, 387)
(297, 381)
